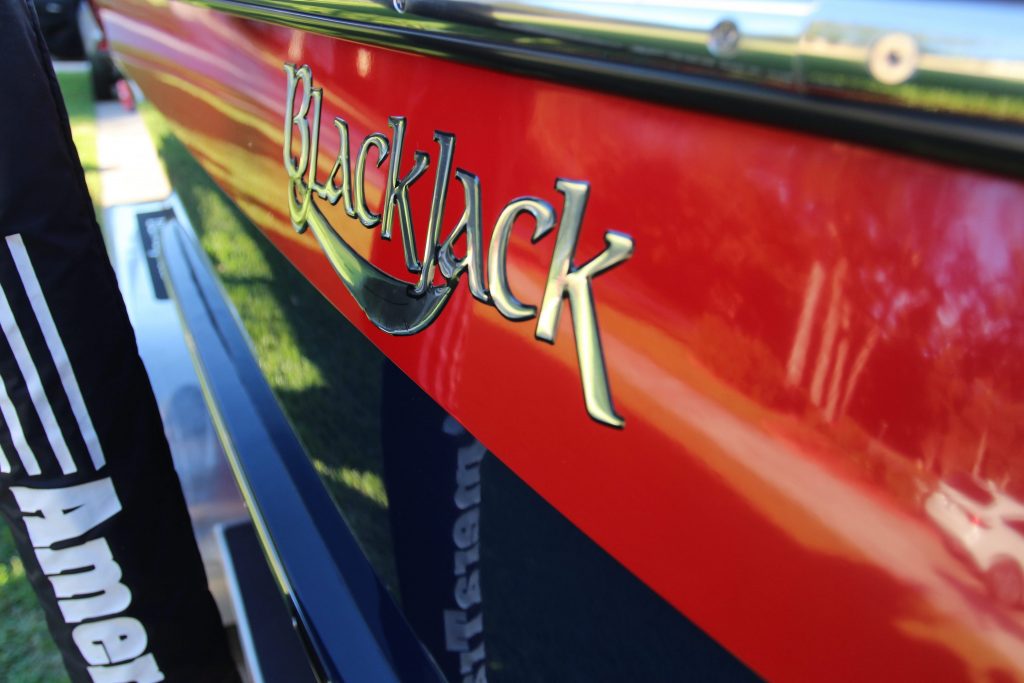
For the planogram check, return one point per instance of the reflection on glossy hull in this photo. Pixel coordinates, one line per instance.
(811, 337)
(494, 580)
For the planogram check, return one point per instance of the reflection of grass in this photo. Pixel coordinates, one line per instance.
(27, 654)
(367, 483)
(324, 373)
(949, 95)
(76, 86)
(251, 282)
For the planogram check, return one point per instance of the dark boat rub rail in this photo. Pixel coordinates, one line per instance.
(943, 79)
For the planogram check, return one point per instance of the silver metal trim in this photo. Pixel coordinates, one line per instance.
(956, 57)
(187, 232)
(252, 661)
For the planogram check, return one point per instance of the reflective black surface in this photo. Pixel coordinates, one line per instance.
(58, 20)
(474, 542)
(343, 614)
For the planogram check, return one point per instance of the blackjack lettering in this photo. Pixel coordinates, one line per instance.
(400, 307)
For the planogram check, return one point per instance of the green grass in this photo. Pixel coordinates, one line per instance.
(27, 653)
(77, 90)
(322, 371)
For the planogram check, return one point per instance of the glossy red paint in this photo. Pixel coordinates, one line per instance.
(807, 332)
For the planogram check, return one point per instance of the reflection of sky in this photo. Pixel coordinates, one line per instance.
(979, 30)
(989, 234)
(989, 244)
(991, 253)
(985, 235)
(940, 26)
(967, 246)
(762, 18)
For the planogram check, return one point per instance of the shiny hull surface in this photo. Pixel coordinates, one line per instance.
(807, 335)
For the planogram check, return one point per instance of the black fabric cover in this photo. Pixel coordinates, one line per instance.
(86, 478)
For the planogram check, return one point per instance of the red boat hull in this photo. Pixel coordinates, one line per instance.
(807, 332)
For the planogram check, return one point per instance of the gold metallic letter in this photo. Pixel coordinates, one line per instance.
(366, 217)
(328, 190)
(473, 261)
(497, 268)
(299, 193)
(444, 167)
(566, 280)
(397, 192)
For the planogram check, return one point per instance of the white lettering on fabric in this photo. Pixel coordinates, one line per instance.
(55, 515)
(86, 578)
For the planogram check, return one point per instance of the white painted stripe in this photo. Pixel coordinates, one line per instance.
(16, 434)
(25, 454)
(56, 346)
(35, 386)
(5, 464)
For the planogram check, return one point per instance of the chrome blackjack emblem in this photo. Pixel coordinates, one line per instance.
(400, 307)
